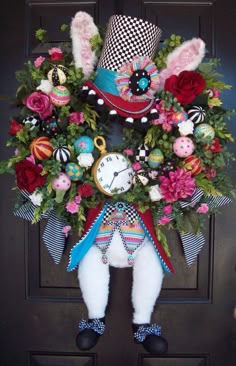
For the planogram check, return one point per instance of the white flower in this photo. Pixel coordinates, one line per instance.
(45, 86)
(186, 128)
(85, 160)
(155, 193)
(36, 198)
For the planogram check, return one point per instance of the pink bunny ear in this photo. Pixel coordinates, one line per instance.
(185, 57)
(82, 30)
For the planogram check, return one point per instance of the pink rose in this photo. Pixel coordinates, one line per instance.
(129, 152)
(78, 199)
(40, 103)
(136, 166)
(76, 117)
(38, 62)
(164, 220)
(203, 208)
(66, 230)
(167, 209)
(72, 207)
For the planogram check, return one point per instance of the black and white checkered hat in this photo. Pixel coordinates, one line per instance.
(127, 37)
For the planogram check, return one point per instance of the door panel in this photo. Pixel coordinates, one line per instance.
(41, 303)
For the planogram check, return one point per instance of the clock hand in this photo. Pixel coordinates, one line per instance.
(115, 175)
(123, 169)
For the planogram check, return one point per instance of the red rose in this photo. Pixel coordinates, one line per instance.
(15, 127)
(186, 86)
(28, 175)
(215, 147)
(85, 190)
(40, 103)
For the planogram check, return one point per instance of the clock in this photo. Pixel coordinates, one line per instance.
(112, 172)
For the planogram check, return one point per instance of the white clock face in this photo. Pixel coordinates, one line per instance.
(114, 174)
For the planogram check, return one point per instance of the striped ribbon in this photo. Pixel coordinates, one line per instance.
(53, 235)
(217, 201)
(192, 245)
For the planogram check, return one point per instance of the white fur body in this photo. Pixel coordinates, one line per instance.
(94, 278)
(82, 30)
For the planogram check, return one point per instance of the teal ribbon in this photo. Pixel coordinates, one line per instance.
(105, 81)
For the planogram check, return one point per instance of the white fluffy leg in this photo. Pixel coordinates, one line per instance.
(147, 282)
(94, 279)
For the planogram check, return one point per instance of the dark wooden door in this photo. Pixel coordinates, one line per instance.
(41, 303)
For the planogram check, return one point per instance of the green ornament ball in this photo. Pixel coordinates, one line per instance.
(205, 132)
(74, 171)
(155, 158)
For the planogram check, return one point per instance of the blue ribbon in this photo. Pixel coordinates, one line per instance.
(105, 81)
(147, 330)
(95, 324)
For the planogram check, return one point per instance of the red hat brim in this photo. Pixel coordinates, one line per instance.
(121, 106)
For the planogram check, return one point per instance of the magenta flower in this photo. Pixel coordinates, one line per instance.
(167, 210)
(136, 166)
(76, 117)
(177, 185)
(72, 207)
(164, 220)
(129, 152)
(40, 103)
(203, 208)
(38, 62)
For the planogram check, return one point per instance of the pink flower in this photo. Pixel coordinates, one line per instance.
(164, 118)
(136, 166)
(72, 207)
(177, 185)
(66, 230)
(76, 117)
(203, 208)
(78, 199)
(39, 60)
(129, 152)
(210, 173)
(40, 103)
(167, 209)
(164, 220)
(56, 54)
(153, 174)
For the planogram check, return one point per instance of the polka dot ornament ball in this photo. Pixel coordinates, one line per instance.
(183, 147)
(74, 171)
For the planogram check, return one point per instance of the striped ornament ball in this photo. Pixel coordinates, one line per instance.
(196, 114)
(59, 95)
(62, 154)
(41, 148)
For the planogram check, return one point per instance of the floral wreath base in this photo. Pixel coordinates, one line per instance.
(177, 162)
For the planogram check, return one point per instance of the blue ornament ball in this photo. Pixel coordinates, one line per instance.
(84, 144)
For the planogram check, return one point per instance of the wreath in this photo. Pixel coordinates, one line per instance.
(177, 161)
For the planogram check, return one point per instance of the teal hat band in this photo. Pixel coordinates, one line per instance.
(105, 81)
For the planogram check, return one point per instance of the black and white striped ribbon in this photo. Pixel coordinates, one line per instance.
(217, 201)
(192, 245)
(195, 198)
(53, 235)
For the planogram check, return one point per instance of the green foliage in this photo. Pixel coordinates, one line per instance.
(188, 222)
(41, 35)
(208, 71)
(169, 101)
(65, 28)
(168, 46)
